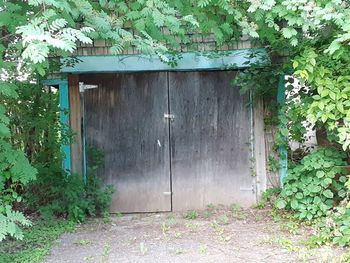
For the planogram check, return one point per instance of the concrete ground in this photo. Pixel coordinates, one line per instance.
(218, 234)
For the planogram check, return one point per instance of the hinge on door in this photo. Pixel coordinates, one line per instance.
(169, 116)
(83, 87)
(252, 188)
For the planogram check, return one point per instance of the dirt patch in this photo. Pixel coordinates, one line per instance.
(214, 235)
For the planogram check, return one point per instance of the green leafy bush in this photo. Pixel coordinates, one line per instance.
(15, 173)
(315, 185)
(335, 228)
(58, 194)
(36, 128)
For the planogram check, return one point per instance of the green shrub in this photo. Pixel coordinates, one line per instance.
(335, 228)
(314, 185)
(58, 194)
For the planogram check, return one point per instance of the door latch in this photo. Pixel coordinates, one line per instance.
(171, 117)
(247, 189)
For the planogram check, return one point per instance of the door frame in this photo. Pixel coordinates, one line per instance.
(62, 85)
(190, 61)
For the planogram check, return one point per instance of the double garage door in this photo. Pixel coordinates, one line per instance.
(171, 140)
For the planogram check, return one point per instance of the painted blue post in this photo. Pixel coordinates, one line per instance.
(64, 117)
(283, 153)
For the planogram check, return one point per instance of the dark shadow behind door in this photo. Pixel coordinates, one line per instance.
(124, 117)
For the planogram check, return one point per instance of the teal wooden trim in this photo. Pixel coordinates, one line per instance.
(188, 61)
(64, 117)
(54, 82)
(283, 153)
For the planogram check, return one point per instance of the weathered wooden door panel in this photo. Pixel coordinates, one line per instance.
(124, 117)
(210, 140)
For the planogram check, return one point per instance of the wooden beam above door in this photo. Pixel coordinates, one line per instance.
(189, 61)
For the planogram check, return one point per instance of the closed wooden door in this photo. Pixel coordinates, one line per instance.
(171, 140)
(124, 117)
(210, 141)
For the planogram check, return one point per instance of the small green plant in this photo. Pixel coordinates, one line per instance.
(203, 249)
(207, 214)
(268, 197)
(211, 207)
(193, 227)
(143, 248)
(235, 207)
(171, 220)
(224, 219)
(83, 242)
(179, 251)
(105, 253)
(209, 211)
(220, 231)
(177, 235)
(312, 187)
(291, 226)
(165, 228)
(191, 215)
(118, 215)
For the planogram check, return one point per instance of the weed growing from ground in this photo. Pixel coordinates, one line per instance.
(224, 219)
(143, 248)
(191, 215)
(83, 242)
(203, 249)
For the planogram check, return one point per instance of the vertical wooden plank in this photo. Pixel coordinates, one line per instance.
(124, 117)
(75, 122)
(259, 148)
(210, 140)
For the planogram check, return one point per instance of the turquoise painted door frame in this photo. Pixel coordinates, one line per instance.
(187, 61)
(62, 85)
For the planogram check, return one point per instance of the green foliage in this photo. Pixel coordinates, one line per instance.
(57, 194)
(36, 243)
(9, 221)
(36, 128)
(314, 186)
(268, 197)
(329, 104)
(261, 82)
(335, 228)
(15, 173)
(191, 215)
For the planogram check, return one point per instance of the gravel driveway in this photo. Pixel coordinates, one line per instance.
(218, 234)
